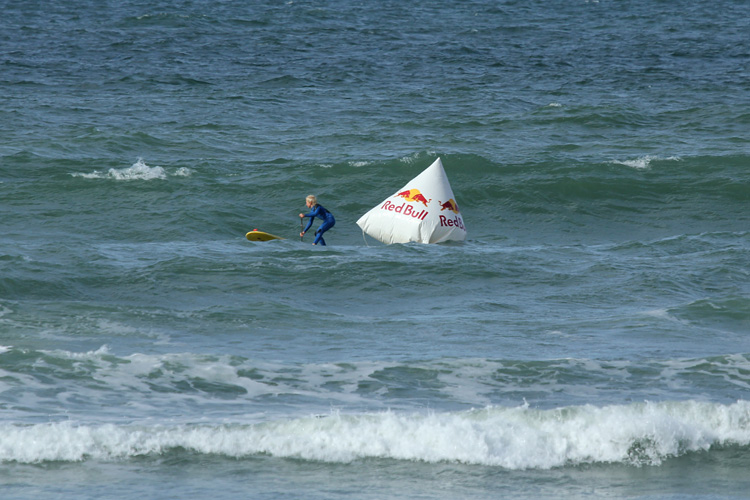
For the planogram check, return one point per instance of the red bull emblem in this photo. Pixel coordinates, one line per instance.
(414, 195)
(449, 205)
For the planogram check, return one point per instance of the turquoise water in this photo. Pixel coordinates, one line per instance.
(590, 338)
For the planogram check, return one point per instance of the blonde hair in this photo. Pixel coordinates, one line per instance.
(312, 199)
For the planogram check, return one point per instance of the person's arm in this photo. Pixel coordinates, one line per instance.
(308, 224)
(312, 216)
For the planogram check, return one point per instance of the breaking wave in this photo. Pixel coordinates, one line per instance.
(511, 438)
(644, 162)
(138, 171)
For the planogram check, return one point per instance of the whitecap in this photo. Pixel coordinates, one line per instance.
(644, 162)
(138, 171)
(513, 438)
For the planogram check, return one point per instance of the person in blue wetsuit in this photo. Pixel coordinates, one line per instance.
(321, 213)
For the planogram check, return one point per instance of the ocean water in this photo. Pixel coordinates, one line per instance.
(589, 339)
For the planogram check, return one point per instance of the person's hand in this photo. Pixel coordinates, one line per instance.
(301, 215)
(301, 234)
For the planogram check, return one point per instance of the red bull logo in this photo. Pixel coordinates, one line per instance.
(404, 209)
(449, 205)
(452, 222)
(414, 195)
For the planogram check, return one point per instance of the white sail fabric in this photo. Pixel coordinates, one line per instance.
(424, 211)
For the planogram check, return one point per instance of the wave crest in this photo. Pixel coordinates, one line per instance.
(138, 171)
(512, 438)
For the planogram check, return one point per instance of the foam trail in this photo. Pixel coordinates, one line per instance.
(512, 438)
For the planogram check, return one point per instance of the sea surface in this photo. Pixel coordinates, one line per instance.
(589, 339)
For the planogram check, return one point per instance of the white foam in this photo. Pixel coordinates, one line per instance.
(90, 355)
(512, 438)
(641, 163)
(414, 157)
(138, 171)
(644, 162)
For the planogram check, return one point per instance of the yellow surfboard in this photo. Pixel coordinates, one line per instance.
(256, 235)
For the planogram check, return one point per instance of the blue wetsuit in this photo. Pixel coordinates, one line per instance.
(328, 222)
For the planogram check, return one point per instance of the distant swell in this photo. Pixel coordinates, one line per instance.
(512, 438)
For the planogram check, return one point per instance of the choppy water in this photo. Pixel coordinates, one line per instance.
(590, 338)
